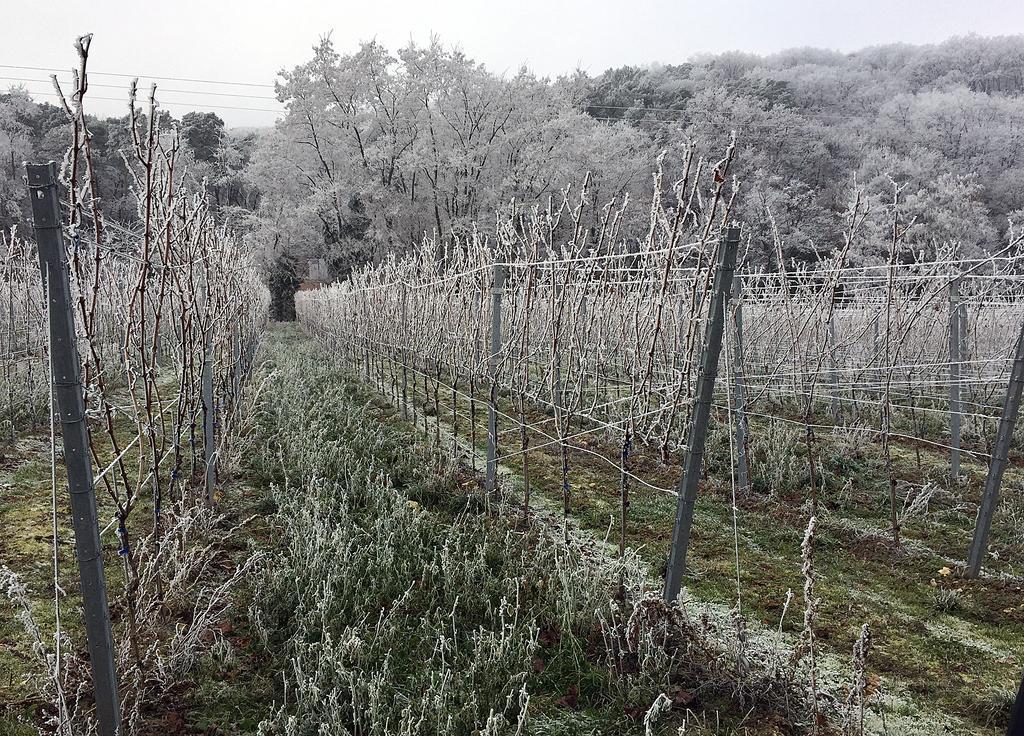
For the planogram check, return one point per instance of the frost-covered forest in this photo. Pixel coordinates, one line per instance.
(380, 146)
(676, 399)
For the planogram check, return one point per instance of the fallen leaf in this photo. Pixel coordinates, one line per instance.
(571, 699)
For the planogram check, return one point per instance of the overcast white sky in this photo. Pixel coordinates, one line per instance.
(251, 40)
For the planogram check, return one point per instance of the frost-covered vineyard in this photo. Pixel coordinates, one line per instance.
(611, 339)
(678, 401)
(154, 330)
(559, 343)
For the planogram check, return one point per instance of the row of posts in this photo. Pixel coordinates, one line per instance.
(724, 286)
(70, 402)
(957, 334)
(69, 396)
(687, 487)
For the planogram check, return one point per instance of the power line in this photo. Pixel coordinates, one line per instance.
(140, 76)
(271, 86)
(160, 89)
(253, 109)
(637, 120)
(268, 86)
(171, 104)
(633, 107)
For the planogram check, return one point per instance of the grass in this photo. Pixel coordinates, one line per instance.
(401, 600)
(946, 655)
(940, 667)
(26, 547)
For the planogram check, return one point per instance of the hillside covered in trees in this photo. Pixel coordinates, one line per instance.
(378, 148)
(679, 398)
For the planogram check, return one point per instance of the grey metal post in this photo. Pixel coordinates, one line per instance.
(701, 413)
(873, 375)
(556, 368)
(478, 312)
(557, 388)
(405, 353)
(1017, 715)
(581, 321)
(955, 409)
(1004, 435)
(964, 325)
(10, 348)
(740, 389)
(209, 447)
(833, 366)
(67, 387)
(236, 368)
(494, 350)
